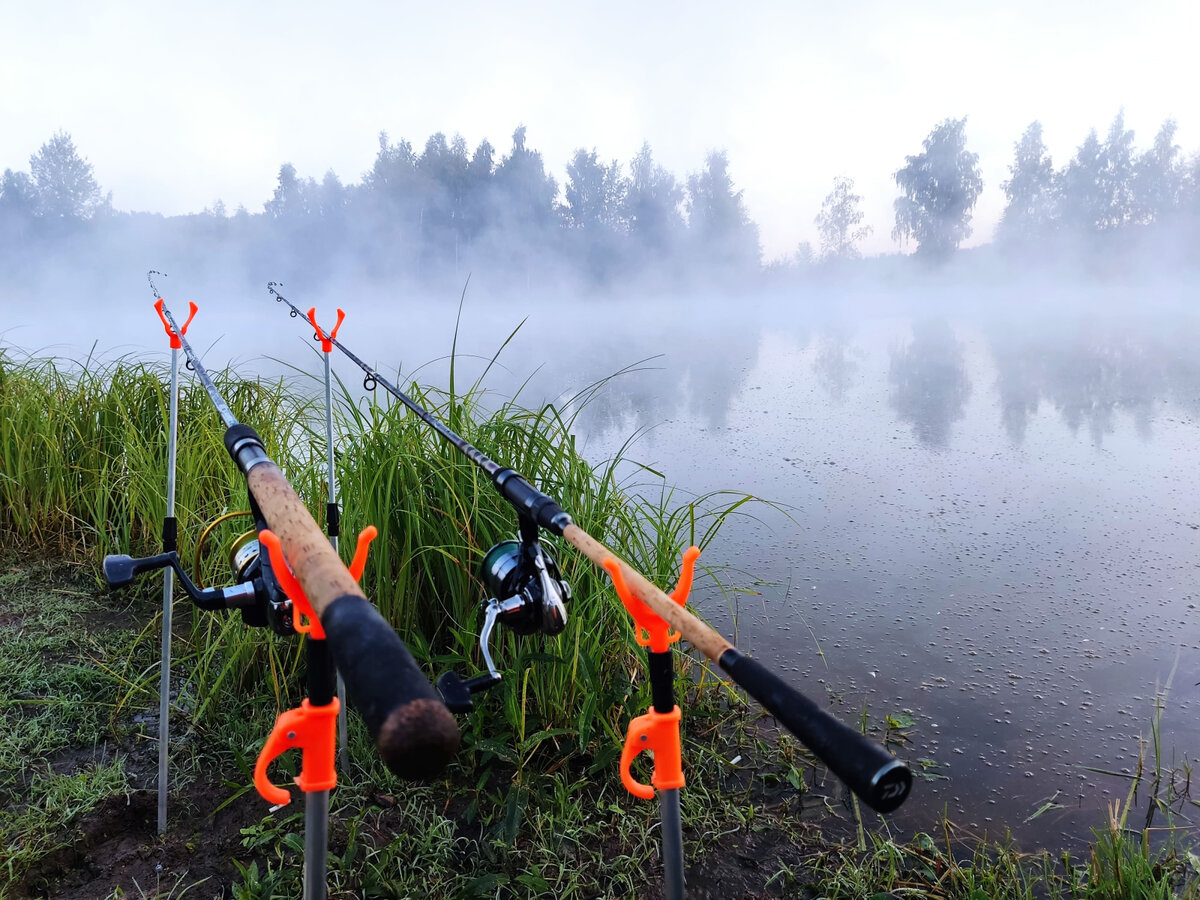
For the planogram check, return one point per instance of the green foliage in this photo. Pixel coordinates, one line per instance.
(941, 185)
(1158, 178)
(718, 223)
(1030, 190)
(84, 473)
(63, 182)
(652, 202)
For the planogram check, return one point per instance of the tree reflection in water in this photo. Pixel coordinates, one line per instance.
(929, 385)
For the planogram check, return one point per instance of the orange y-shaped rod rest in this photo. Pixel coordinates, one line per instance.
(326, 342)
(301, 607)
(176, 343)
(656, 732)
(651, 630)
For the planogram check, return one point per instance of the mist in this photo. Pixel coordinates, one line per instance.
(979, 459)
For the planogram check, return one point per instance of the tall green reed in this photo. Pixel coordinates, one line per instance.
(84, 454)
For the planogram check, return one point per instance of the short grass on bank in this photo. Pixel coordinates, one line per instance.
(77, 800)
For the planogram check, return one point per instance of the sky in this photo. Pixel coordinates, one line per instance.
(179, 105)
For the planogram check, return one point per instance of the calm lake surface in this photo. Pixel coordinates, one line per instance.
(988, 519)
(993, 529)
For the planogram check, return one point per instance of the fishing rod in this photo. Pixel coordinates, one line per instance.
(878, 778)
(332, 514)
(299, 585)
(529, 594)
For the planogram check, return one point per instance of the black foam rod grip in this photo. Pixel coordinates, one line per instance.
(414, 732)
(882, 781)
(528, 500)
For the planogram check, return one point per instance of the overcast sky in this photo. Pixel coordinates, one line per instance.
(176, 107)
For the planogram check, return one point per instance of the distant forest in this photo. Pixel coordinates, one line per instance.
(433, 215)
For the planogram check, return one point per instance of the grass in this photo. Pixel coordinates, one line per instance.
(52, 698)
(83, 474)
(84, 456)
(571, 832)
(530, 808)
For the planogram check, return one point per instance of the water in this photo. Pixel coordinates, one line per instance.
(990, 528)
(984, 516)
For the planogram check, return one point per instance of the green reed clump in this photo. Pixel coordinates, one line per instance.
(83, 452)
(84, 473)
(438, 514)
(83, 469)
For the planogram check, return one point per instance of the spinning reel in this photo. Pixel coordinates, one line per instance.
(528, 595)
(256, 591)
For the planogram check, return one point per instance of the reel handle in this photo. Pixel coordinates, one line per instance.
(120, 569)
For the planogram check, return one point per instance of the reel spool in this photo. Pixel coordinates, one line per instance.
(528, 595)
(511, 571)
(243, 556)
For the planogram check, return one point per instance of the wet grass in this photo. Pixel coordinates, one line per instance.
(531, 807)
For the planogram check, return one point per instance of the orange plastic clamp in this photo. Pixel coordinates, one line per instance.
(301, 607)
(657, 732)
(651, 631)
(326, 342)
(312, 730)
(176, 344)
(359, 562)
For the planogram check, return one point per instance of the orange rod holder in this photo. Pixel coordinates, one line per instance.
(313, 731)
(326, 342)
(359, 562)
(650, 629)
(176, 343)
(301, 607)
(656, 731)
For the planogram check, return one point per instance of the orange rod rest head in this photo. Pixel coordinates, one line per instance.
(658, 733)
(651, 630)
(326, 342)
(176, 344)
(313, 731)
(359, 562)
(301, 607)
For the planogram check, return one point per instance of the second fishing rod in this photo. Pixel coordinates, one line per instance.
(878, 778)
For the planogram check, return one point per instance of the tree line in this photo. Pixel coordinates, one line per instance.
(446, 210)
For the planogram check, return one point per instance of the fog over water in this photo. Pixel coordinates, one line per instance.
(987, 517)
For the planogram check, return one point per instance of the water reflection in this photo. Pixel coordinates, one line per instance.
(1090, 373)
(836, 364)
(661, 374)
(928, 378)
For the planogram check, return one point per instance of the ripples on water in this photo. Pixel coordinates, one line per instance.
(994, 530)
